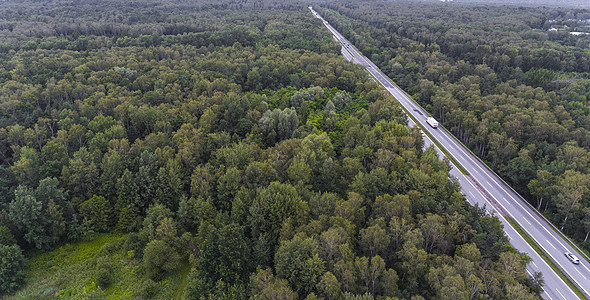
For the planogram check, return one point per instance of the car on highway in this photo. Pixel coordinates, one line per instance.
(432, 122)
(572, 258)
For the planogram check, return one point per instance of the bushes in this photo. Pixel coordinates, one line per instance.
(98, 212)
(6, 237)
(104, 271)
(135, 242)
(147, 290)
(12, 264)
(159, 258)
(196, 286)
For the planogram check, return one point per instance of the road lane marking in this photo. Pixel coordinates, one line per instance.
(547, 295)
(581, 273)
(551, 244)
(534, 264)
(503, 207)
(560, 294)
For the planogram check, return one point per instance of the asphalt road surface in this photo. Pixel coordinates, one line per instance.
(483, 186)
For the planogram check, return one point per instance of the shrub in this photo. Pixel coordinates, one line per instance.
(159, 258)
(135, 242)
(106, 249)
(6, 237)
(104, 271)
(196, 286)
(147, 290)
(12, 265)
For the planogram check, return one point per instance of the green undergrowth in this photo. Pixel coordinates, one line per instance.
(69, 272)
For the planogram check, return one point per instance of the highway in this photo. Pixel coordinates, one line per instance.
(483, 186)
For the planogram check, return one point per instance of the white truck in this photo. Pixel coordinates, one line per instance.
(432, 122)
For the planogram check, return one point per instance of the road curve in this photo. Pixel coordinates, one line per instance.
(483, 186)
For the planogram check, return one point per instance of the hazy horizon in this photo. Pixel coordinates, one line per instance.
(553, 3)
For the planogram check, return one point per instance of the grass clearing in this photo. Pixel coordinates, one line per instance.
(68, 272)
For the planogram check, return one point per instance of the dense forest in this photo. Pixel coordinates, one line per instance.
(505, 81)
(225, 150)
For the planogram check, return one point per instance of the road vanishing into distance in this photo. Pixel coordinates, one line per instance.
(482, 186)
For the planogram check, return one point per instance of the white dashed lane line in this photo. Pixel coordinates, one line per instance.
(548, 296)
(581, 274)
(561, 294)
